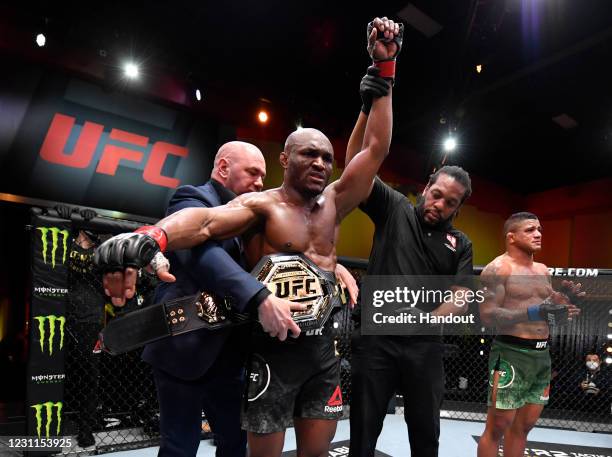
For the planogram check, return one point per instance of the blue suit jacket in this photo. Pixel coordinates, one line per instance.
(212, 266)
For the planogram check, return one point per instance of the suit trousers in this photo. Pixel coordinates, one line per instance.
(218, 393)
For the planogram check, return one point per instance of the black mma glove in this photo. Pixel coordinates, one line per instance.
(135, 249)
(387, 66)
(575, 299)
(548, 311)
(372, 86)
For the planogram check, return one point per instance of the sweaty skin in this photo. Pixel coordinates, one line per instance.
(303, 215)
(515, 282)
(516, 287)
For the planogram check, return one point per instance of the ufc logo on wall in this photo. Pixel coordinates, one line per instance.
(53, 150)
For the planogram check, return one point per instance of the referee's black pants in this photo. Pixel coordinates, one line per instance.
(382, 365)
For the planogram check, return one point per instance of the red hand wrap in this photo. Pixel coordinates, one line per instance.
(157, 233)
(387, 68)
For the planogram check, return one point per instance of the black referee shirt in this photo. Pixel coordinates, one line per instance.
(404, 245)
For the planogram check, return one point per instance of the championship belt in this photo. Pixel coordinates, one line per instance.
(293, 277)
(296, 278)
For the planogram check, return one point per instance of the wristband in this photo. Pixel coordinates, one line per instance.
(387, 68)
(157, 233)
(533, 313)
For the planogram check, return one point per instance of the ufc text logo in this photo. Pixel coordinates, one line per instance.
(53, 150)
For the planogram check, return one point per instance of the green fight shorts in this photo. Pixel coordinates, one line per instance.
(524, 372)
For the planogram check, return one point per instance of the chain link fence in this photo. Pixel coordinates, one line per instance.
(110, 401)
(465, 360)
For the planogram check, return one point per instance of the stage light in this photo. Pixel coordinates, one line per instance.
(336, 325)
(482, 340)
(450, 144)
(610, 336)
(41, 40)
(262, 117)
(130, 70)
(478, 68)
(198, 95)
(481, 352)
(608, 360)
(609, 349)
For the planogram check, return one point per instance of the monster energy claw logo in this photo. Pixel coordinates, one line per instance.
(41, 330)
(48, 409)
(55, 233)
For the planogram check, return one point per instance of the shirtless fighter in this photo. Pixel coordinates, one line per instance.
(301, 216)
(521, 304)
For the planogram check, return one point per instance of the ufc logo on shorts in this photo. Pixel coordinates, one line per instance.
(541, 344)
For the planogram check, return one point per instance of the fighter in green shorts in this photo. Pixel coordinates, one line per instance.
(521, 304)
(524, 372)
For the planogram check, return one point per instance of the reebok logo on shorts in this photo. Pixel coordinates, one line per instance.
(334, 404)
(545, 394)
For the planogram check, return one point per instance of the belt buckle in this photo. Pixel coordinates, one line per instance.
(296, 278)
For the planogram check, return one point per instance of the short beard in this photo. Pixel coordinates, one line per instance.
(443, 223)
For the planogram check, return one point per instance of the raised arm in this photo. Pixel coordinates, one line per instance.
(372, 86)
(356, 181)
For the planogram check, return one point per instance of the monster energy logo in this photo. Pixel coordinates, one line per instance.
(48, 409)
(41, 330)
(55, 233)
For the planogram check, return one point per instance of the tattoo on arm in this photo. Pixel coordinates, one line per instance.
(492, 311)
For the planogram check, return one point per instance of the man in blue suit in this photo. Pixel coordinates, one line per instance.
(203, 370)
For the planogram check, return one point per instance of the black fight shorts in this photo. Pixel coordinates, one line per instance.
(295, 378)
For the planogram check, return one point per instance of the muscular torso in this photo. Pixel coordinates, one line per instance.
(524, 286)
(287, 227)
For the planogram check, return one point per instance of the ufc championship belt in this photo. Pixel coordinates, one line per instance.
(292, 277)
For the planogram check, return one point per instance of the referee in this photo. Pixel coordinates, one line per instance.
(408, 240)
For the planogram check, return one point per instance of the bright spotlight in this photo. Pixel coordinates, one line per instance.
(130, 70)
(40, 40)
(610, 336)
(450, 144)
(608, 360)
(198, 95)
(262, 116)
(478, 68)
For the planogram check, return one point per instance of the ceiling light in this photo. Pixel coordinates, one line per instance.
(262, 116)
(450, 144)
(130, 70)
(41, 40)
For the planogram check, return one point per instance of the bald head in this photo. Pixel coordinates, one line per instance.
(240, 167)
(303, 137)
